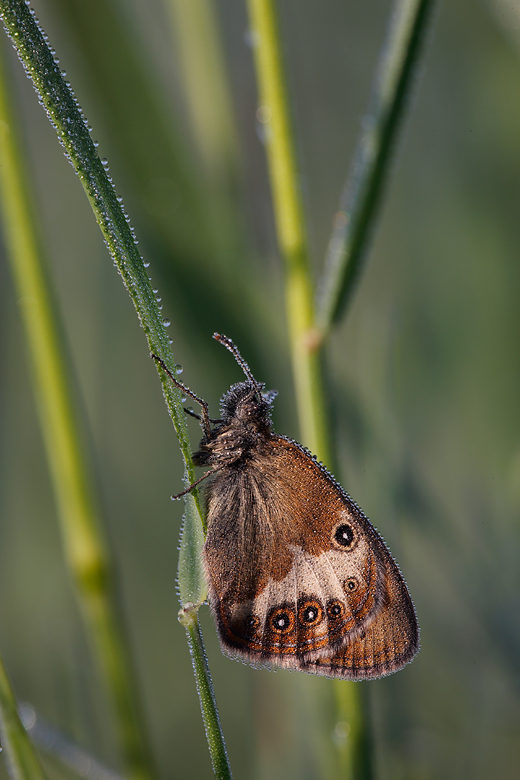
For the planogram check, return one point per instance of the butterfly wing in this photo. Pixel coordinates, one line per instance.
(298, 577)
(385, 645)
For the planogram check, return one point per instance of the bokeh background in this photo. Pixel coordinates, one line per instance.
(423, 374)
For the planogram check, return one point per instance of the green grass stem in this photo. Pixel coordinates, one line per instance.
(362, 195)
(214, 735)
(22, 760)
(352, 737)
(202, 66)
(274, 112)
(206, 85)
(274, 116)
(136, 117)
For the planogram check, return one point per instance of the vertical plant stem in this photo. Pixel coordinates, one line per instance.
(354, 756)
(290, 226)
(83, 540)
(361, 197)
(22, 759)
(210, 107)
(214, 735)
(205, 84)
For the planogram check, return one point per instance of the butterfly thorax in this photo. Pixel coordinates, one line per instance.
(244, 427)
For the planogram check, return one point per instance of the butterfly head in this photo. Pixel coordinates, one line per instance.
(245, 419)
(246, 404)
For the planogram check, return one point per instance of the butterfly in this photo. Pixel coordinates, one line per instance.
(297, 576)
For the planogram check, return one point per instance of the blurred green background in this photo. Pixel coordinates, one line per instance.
(423, 375)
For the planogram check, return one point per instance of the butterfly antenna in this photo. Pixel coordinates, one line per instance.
(238, 357)
(206, 423)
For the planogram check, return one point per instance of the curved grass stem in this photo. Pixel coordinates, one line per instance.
(80, 526)
(84, 543)
(362, 195)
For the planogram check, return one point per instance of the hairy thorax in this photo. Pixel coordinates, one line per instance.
(232, 443)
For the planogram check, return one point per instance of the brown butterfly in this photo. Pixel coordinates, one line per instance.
(297, 575)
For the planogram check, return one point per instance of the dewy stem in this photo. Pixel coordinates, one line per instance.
(215, 738)
(83, 539)
(64, 112)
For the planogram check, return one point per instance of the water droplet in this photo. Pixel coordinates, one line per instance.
(166, 322)
(251, 38)
(178, 368)
(28, 716)
(264, 114)
(146, 263)
(341, 732)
